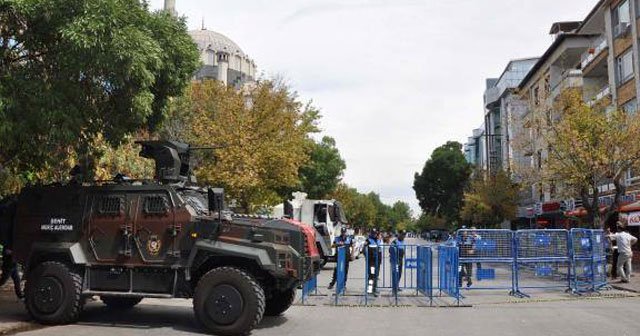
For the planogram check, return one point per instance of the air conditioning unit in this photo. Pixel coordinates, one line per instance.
(621, 29)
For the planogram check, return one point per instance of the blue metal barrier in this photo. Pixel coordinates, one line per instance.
(396, 268)
(492, 253)
(581, 260)
(542, 259)
(600, 259)
(309, 287)
(424, 276)
(448, 271)
(341, 264)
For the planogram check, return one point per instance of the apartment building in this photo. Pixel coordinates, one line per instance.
(474, 149)
(600, 56)
(503, 110)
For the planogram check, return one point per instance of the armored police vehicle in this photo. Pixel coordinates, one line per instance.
(125, 240)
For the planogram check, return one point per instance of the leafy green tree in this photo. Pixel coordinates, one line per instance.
(322, 173)
(428, 222)
(400, 216)
(440, 186)
(72, 70)
(491, 200)
(264, 131)
(360, 210)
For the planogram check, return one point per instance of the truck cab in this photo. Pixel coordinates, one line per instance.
(325, 216)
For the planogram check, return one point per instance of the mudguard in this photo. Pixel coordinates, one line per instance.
(73, 250)
(260, 256)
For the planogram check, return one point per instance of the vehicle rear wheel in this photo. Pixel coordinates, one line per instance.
(54, 293)
(280, 302)
(116, 302)
(228, 301)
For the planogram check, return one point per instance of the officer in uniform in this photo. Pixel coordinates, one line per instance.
(342, 241)
(374, 257)
(397, 253)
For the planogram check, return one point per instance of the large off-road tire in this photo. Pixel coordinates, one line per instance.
(280, 302)
(54, 293)
(120, 303)
(228, 301)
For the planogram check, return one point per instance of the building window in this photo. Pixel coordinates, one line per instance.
(621, 18)
(536, 96)
(624, 67)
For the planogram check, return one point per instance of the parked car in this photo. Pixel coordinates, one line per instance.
(357, 246)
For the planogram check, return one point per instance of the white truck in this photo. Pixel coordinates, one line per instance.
(326, 216)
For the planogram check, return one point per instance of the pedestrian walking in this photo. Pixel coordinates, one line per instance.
(624, 240)
(373, 246)
(342, 241)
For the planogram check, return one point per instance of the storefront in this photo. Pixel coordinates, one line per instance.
(629, 215)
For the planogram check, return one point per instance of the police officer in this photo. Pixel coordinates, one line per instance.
(397, 253)
(374, 257)
(9, 267)
(342, 241)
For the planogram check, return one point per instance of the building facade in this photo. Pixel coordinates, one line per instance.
(503, 110)
(222, 59)
(474, 149)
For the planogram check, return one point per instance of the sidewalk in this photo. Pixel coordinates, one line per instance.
(632, 286)
(13, 317)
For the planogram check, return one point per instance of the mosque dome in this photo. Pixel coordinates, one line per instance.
(211, 40)
(222, 58)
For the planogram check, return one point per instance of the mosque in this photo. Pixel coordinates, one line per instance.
(222, 58)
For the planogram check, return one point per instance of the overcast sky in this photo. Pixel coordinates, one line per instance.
(394, 78)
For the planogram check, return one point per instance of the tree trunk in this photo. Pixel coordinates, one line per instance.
(591, 205)
(615, 206)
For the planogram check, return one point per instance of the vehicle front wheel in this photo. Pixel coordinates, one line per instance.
(228, 301)
(53, 293)
(116, 302)
(280, 302)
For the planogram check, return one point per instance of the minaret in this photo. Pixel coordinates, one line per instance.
(223, 66)
(170, 6)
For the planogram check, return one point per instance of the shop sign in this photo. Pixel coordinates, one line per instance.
(633, 218)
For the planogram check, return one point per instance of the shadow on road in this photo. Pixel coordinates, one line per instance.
(149, 317)
(142, 317)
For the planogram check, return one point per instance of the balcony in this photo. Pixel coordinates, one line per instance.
(571, 78)
(603, 93)
(594, 51)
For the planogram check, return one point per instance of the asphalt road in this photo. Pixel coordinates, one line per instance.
(584, 317)
(493, 313)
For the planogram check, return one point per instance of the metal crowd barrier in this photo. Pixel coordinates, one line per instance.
(448, 271)
(542, 259)
(308, 288)
(341, 276)
(492, 254)
(525, 259)
(398, 268)
(588, 260)
(424, 276)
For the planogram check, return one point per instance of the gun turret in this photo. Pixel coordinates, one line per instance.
(173, 161)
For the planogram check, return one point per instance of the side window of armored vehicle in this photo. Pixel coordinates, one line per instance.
(156, 205)
(110, 205)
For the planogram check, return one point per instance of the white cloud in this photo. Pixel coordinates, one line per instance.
(394, 78)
